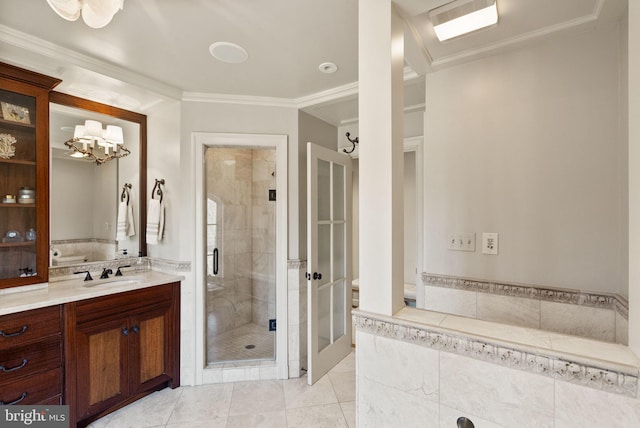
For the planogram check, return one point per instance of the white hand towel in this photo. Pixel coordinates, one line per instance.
(155, 221)
(124, 226)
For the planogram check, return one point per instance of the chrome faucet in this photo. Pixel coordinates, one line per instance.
(105, 273)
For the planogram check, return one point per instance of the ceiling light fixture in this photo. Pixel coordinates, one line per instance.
(95, 13)
(328, 67)
(228, 52)
(92, 142)
(462, 16)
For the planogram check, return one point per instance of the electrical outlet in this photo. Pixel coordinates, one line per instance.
(490, 243)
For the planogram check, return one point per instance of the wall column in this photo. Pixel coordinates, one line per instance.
(380, 75)
(634, 176)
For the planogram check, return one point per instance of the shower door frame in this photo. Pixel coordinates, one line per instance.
(201, 142)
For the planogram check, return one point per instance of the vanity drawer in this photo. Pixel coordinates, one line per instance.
(35, 389)
(127, 303)
(22, 361)
(16, 329)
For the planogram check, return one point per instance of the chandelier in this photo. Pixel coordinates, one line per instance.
(93, 143)
(95, 13)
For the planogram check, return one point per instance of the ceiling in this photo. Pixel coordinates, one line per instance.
(156, 49)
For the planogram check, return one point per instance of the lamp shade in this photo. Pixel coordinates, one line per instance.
(98, 13)
(79, 132)
(113, 134)
(93, 129)
(67, 9)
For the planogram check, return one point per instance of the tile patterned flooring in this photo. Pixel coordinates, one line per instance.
(232, 345)
(290, 403)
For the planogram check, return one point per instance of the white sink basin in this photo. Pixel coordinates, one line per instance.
(116, 280)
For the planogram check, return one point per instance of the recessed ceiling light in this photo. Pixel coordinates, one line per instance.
(328, 67)
(228, 52)
(462, 16)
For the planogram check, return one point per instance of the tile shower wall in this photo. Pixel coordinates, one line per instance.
(238, 180)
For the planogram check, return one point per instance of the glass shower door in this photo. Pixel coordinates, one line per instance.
(240, 254)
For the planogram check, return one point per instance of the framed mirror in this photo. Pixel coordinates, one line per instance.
(97, 208)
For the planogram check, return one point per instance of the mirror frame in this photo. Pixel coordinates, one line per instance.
(141, 119)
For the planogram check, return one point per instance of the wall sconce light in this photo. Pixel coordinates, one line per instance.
(95, 13)
(92, 142)
(462, 16)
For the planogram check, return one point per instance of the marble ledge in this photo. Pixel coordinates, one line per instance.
(73, 290)
(600, 365)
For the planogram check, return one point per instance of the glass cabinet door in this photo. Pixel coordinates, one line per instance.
(24, 175)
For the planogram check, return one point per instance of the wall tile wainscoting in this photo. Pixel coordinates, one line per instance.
(597, 315)
(422, 368)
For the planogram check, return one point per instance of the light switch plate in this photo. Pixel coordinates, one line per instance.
(462, 242)
(490, 243)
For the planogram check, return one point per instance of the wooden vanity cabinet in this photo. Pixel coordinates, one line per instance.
(24, 165)
(120, 348)
(31, 357)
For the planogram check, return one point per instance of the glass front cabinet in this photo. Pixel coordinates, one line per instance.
(24, 176)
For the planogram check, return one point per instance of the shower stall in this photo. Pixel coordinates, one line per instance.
(240, 233)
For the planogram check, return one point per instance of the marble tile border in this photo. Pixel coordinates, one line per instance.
(558, 295)
(82, 241)
(58, 273)
(622, 382)
(169, 265)
(296, 264)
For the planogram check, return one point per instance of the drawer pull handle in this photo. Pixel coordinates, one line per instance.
(135, 329)
(17, 333)
(16, 401)
(4, 369)
(125, 331)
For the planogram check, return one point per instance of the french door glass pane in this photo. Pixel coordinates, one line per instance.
(338, 252)
(324, 190)
(324, 252)
(338, 310)
(338, 192)
(324, 317)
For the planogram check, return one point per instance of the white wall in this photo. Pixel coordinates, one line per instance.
(236, 118)
(163, 162)
(528, 144)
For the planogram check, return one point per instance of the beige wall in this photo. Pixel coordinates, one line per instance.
(528, 144)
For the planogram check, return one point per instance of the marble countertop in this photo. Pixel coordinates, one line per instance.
(20, 299)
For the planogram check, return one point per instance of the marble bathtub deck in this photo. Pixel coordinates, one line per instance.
(330, 402)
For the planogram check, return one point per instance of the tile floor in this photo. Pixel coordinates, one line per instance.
(247, 342)
(290, 403)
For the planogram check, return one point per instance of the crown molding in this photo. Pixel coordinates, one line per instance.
(50, 50)
(204, 97)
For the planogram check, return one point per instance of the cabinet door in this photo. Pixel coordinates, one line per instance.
(24, 176)
(150, 349)
(102, 358)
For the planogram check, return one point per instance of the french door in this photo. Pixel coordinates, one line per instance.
(329, 259)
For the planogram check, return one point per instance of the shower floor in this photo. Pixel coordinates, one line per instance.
(247, 342)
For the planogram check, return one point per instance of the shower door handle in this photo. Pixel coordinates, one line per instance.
(215, 261)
